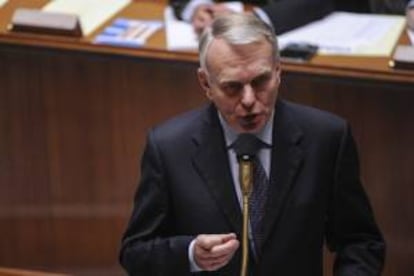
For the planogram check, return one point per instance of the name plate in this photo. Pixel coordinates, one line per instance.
(37, 21)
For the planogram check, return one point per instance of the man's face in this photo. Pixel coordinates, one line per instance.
(242, 81)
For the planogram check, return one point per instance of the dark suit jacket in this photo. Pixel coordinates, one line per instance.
(315, 194)
(389, 6)
(289, 14)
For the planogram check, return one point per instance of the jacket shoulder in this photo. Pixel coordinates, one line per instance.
(181, 126)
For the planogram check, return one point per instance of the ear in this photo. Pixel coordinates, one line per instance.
(203, 80)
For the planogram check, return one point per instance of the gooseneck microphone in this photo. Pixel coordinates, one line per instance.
(246, 146)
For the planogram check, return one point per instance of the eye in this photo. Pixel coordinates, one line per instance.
(261, 80)
(232, 88)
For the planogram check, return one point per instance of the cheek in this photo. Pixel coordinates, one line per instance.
(226, 106)
(269, 97)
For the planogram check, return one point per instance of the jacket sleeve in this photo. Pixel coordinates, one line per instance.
(149, 245)
(351, 228)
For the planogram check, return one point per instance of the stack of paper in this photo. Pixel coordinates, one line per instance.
(128, 32)
(344, 33)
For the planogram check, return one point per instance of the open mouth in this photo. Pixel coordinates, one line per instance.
(250, 121)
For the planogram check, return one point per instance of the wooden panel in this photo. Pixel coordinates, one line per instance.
(381, 116)
(72, 127)
(20, 272)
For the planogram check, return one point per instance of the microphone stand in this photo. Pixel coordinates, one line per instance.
(246, 184)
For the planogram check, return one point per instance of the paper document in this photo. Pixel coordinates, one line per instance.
(2, 2)
(128, 33)
(91, 13)
(343, 33)
(411, 36)
(180, 34)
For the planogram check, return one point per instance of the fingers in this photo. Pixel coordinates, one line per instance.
(209, 241)
(212, 252)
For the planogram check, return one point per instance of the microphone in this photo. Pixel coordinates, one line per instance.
(245, 152)
(246, 146)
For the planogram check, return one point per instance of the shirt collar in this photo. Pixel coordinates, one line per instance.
(265, 134)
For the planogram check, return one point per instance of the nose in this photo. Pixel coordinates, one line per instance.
(248, 97)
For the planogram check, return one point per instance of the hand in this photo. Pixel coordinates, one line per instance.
(214, 251)
(204, 15)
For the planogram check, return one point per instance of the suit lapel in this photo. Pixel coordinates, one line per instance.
(287, 157)
(211, 162)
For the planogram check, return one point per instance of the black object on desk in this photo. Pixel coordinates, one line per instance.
(298, 52)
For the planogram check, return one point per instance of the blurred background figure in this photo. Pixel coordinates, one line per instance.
(283, 15)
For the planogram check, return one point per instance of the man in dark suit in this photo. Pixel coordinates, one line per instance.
(187, 215)
(283, 15)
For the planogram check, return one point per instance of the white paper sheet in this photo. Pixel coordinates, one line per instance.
(91, 13)
(344, 33)
(180, 34)
(2, 2)
(411, 36)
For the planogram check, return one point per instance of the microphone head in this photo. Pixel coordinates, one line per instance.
(247, 144)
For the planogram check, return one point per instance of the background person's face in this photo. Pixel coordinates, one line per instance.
(242, 81)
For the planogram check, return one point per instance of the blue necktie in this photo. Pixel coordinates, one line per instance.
(257, 204)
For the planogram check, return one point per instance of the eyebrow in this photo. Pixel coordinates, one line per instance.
(264, 72)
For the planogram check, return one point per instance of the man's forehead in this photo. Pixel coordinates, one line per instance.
(231, 74)
(223, 53)
(221, 45)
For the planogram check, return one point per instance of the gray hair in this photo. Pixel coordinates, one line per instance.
(236, 29)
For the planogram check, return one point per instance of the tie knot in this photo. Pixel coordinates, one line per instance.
(247, 144)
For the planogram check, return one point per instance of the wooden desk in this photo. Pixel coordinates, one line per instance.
(73, 119)
(21, 272)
